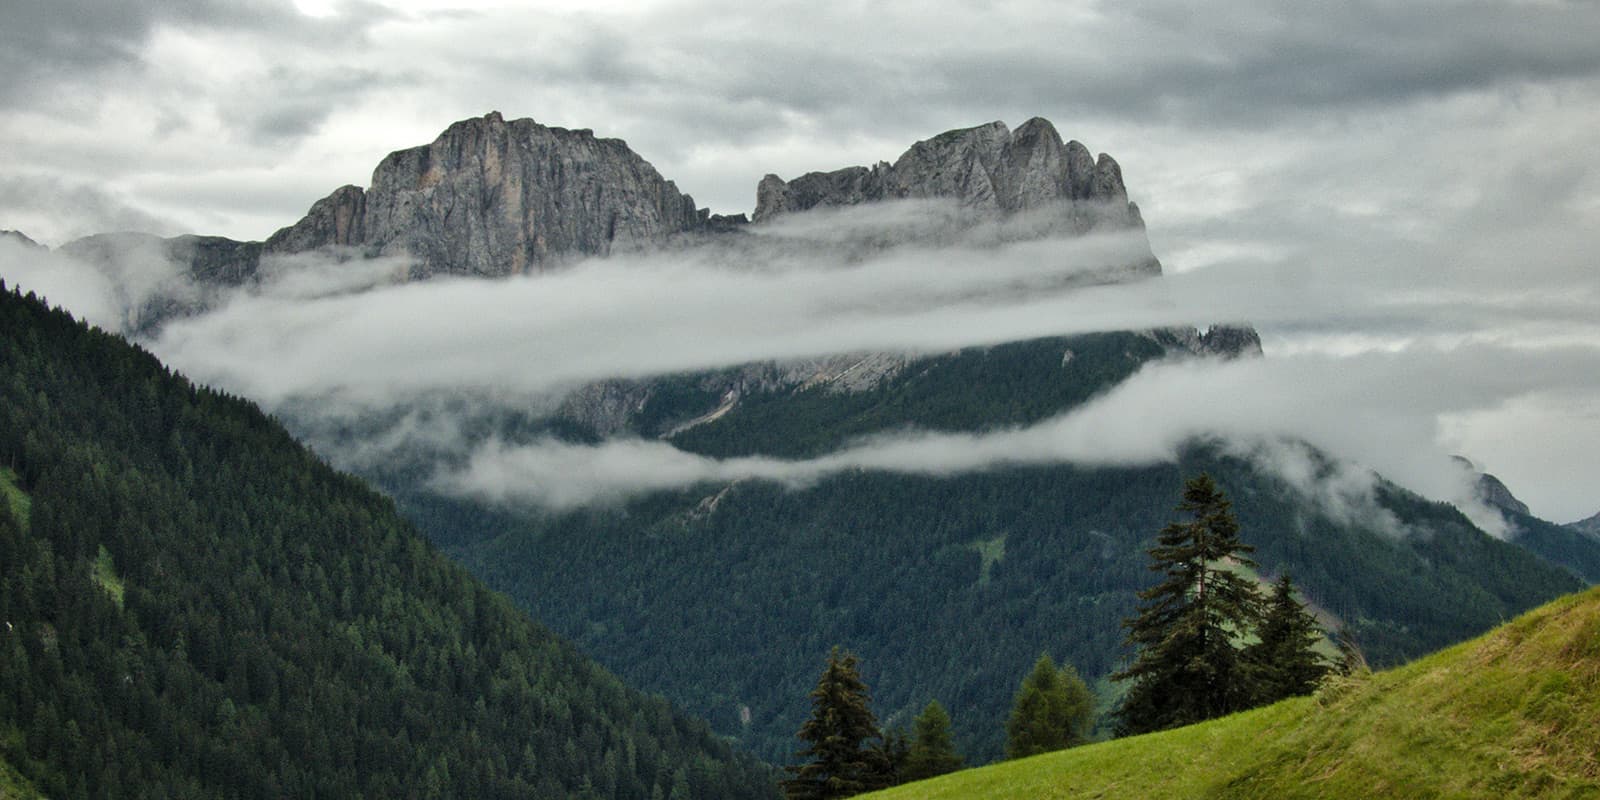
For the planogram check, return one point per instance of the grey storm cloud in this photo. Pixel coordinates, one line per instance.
(52, 209)
(47, 43)
(1239, 63)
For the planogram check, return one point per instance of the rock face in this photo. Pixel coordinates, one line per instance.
(491, 197)
(987, 168)
(1492, 491)
(494, 198)
(338, 220)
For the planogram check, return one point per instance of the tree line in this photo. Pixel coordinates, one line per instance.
(1208, 643)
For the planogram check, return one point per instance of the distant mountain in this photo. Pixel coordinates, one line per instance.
(194, 605)
(989, 169)
(1492, 491)
(1590, 526)
(1569, 547)
(491, 197)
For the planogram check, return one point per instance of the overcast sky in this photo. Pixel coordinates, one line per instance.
(1301, 147)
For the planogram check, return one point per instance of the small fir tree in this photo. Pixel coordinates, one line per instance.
(1285, 658)
(845, 754)
(1053, 710)
(933, 750)
(1188, 666)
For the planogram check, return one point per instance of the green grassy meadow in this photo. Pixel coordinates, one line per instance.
(13, 499)
(1514, 713)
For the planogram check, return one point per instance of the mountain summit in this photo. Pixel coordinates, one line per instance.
(491, 197)
(988, 168)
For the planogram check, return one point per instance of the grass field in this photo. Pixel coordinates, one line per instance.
(12, 785)
(1512, 714)
(12, 497)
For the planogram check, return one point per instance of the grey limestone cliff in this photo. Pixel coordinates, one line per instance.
(492, 198)
(988, 168)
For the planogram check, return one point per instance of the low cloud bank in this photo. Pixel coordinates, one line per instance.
(1264, 409)
(1383, 366)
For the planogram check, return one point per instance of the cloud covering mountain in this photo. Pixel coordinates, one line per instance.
(1427, 168)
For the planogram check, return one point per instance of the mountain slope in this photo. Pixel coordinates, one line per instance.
(1589, 526)
(196, 605)
(1515, 713)
(1567, 546)
(1573, 549)
(723, 597)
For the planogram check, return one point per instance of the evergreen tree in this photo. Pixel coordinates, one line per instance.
(845, 753)
(933, 750)
(1286, 661)
(894, 753)
(1189, 667)
(1053, 710)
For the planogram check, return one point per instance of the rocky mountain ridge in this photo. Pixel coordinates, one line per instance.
(988, 168)
(491, 197)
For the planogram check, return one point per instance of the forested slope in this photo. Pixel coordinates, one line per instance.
(726, 598)
(196, 606)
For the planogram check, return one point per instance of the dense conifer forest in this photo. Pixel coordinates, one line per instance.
(723, 597)
(194, 605)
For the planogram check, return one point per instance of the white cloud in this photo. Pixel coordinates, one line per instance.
(1265, 409)
(1400, 178)
(1371, 361)
(635, 316)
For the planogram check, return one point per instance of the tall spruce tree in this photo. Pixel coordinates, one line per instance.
(1189, 666)
(933, 750)
(1053, 710)
(845, 753)
(1285, 658)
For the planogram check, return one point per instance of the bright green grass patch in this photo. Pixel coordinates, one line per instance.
(1513, 714)
(13, 786)
(990, 553)
(105, 575)
(18, 501)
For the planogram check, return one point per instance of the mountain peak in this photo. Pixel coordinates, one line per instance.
(493, 197)
(1492, 491)
(988, 168)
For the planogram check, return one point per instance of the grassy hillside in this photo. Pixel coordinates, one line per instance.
(1515, 713)
(13, 786)
(194, 605)
(13, 500)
